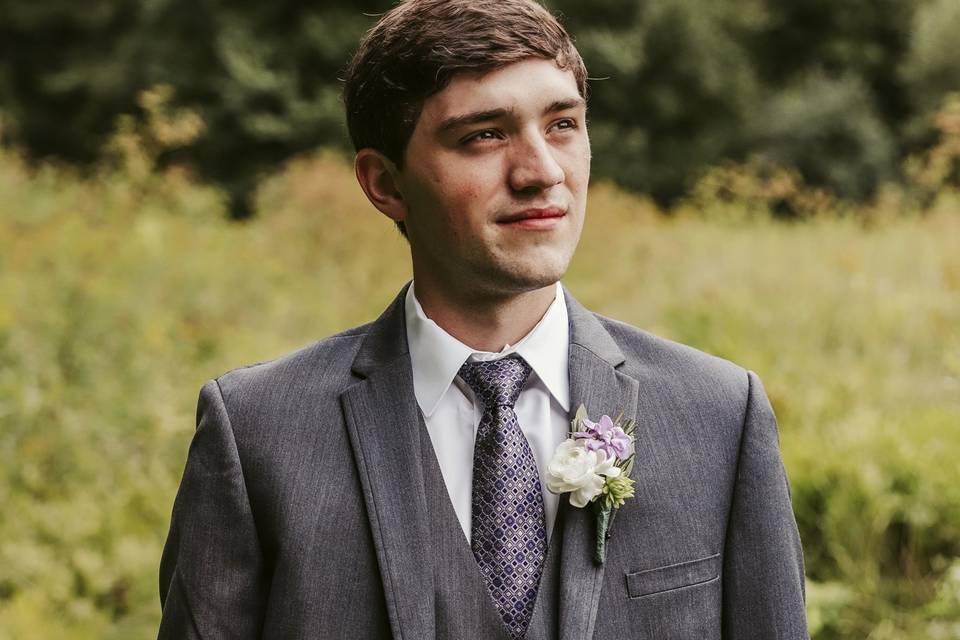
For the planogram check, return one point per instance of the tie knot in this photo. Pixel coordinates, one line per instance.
(496, 383)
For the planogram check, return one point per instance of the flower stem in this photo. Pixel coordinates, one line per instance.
(603, 523)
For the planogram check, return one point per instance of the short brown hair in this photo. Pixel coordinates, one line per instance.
(416, 48)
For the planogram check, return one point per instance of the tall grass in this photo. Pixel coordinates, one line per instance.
(122, 292)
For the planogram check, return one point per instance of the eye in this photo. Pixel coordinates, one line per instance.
(486, 134)
(566, 124)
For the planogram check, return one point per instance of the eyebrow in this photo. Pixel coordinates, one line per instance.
(476, 117)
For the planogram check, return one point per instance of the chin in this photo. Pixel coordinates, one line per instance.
(530, 275)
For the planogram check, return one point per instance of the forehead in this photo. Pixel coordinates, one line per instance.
(526, 85)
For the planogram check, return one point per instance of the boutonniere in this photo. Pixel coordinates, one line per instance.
(594, 466)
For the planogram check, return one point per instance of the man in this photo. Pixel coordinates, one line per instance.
(388, 482)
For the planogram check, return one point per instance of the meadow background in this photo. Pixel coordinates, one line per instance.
(777, 183)
(123, 291)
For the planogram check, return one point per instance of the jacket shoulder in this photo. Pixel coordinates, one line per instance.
(689, 372)
(323, 366)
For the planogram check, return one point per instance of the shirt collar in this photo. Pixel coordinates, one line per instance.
(436, 356)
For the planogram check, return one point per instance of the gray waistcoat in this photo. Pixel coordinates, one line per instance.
(464, 608)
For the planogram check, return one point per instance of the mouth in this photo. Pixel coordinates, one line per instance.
(538, 218)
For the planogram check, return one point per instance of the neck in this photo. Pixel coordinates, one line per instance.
(485, 323)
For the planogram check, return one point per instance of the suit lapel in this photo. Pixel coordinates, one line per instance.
(381, 416)
(596, 384)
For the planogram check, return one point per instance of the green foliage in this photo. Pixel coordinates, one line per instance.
(840, 91)
(865, 39)
(264, 77)
(937, 168)
(931, 66)
(123, 291)
(66, 69)
(828, 130)
(675, 86)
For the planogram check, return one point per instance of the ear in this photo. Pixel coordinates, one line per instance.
(378, 177)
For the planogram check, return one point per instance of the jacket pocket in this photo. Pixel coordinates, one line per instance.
(674, 576)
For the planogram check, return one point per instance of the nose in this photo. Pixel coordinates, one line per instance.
(534, 166)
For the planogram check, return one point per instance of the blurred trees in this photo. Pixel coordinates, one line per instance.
(262, 76)
(66, 70)
(842, 92)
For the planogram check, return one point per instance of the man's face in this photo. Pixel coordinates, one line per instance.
(495, 179)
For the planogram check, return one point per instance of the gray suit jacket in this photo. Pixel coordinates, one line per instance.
(301, 513)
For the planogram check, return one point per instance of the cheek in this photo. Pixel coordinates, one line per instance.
(455, 184)
(456, 198)
(579, 162)
(468, 201)
(470, 195)
(476, 180)
(455, 201)
(445, 210)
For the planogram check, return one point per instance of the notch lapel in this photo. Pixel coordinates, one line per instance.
(381, 415)
(596, 384)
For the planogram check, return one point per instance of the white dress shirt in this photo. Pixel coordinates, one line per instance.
(452, 415)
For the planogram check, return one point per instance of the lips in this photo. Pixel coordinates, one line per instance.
(534, 214)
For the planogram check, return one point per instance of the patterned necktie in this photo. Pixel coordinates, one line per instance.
(509, 537)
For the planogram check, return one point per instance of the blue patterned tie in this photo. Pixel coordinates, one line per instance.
(509, 538)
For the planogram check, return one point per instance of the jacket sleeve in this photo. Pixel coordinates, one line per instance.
(763, 579)
(212, 582)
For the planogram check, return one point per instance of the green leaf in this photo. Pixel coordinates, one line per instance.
(578, 418)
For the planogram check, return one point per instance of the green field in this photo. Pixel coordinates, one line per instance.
(123, 291)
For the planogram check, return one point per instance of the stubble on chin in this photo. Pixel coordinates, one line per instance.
(512, 275)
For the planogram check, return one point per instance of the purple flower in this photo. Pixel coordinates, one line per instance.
(607, 436)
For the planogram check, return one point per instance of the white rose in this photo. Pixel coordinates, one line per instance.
(579, 471)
